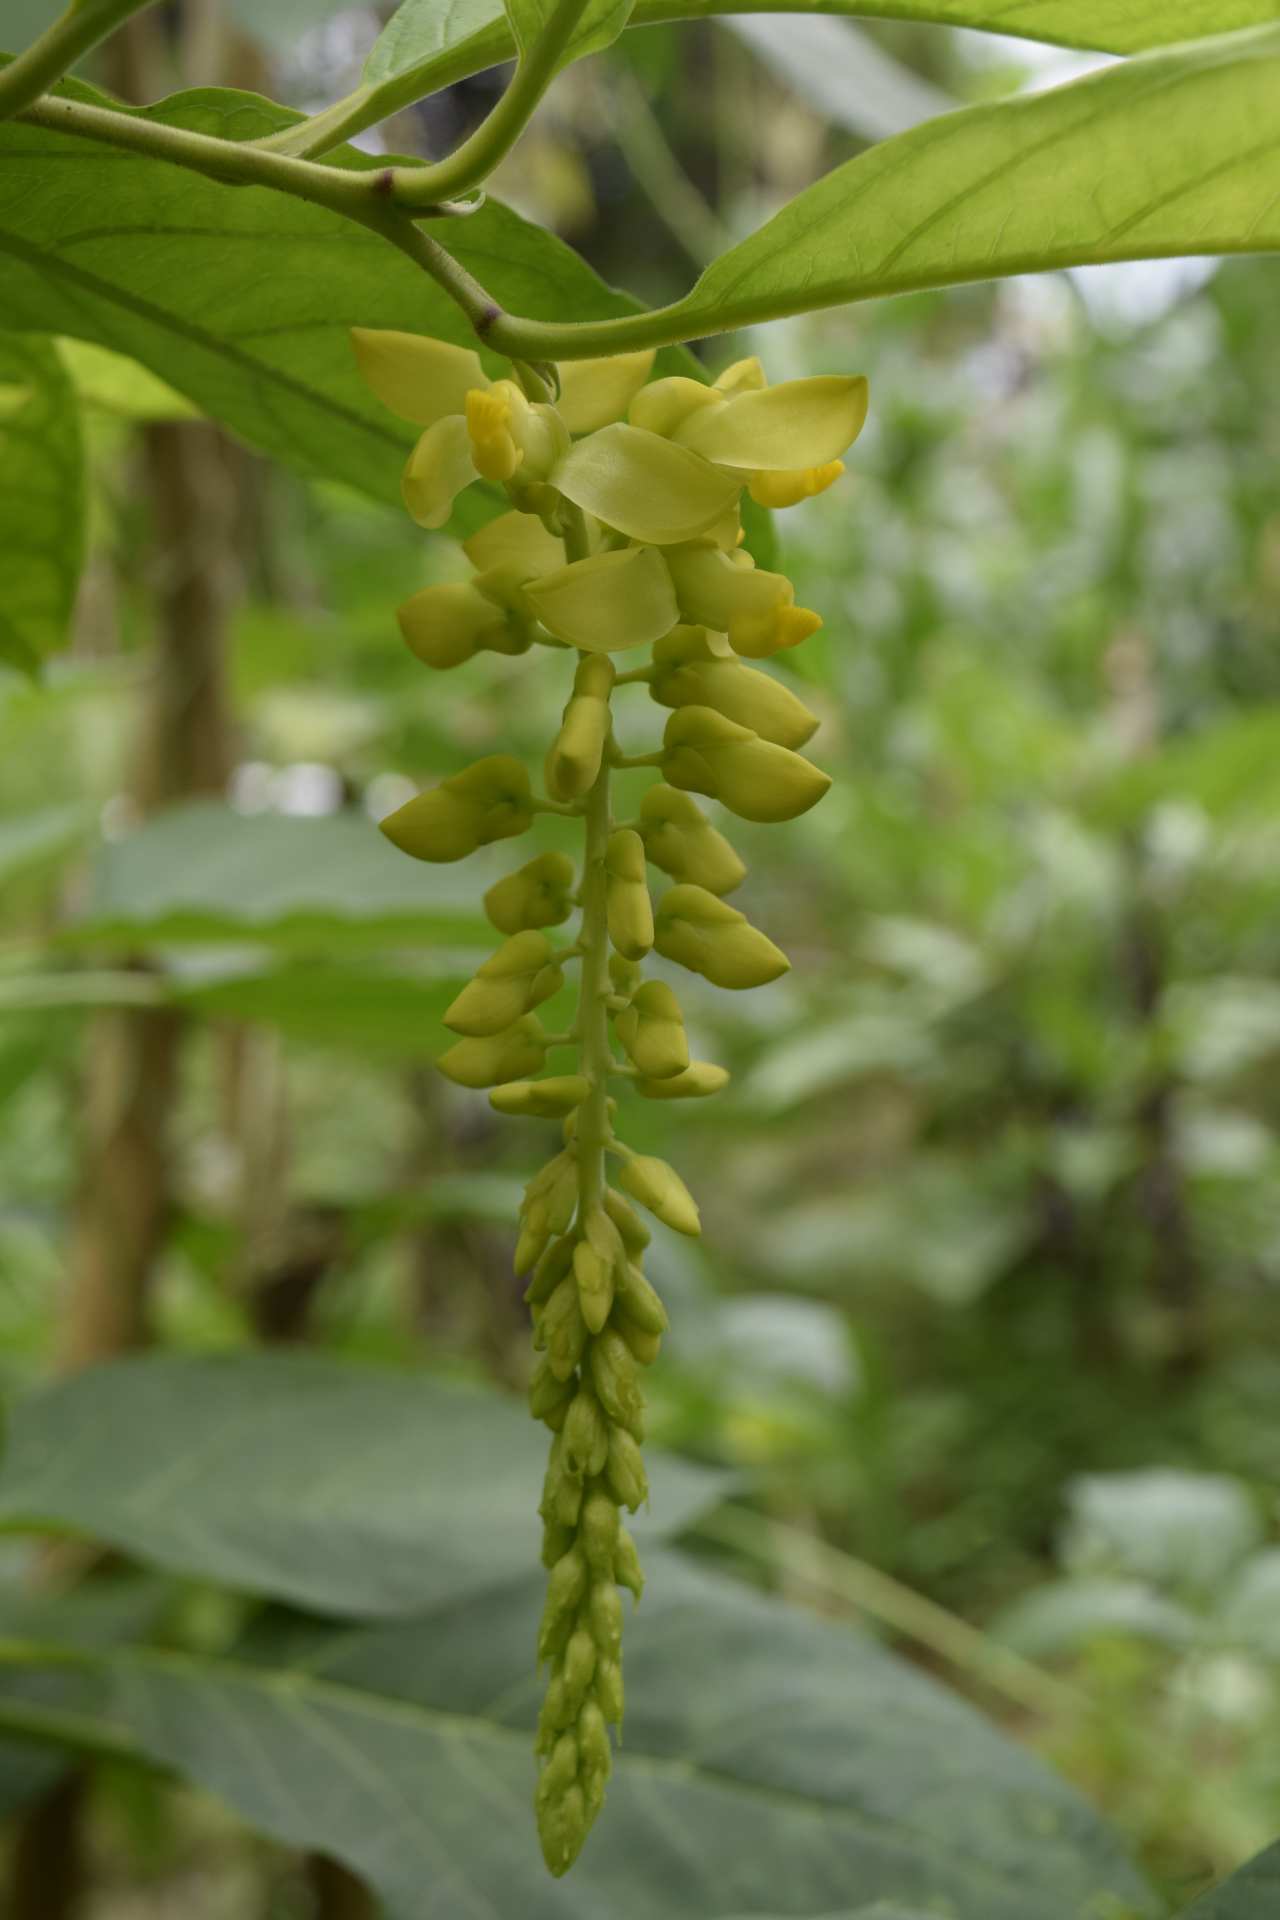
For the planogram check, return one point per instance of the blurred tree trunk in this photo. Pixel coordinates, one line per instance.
(46, 1870)
(337, 1893)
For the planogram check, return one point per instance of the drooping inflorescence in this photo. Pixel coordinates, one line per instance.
(623, 534)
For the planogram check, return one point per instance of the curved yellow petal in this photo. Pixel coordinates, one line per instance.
(802, 423)
(645, 486)
(420, 379)
(514, 539)
(787, 489)
(744, 376)
(667, 404)
(594, 392)
(439, 467)
(608, 603)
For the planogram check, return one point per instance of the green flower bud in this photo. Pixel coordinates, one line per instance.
(529, 1250)
(487, 801)
(628, 1481)
(556, 1714)
(565, 1589)
(626, 1565)
(594, 392)
(696, 668)
(549, 1396)
(450, 623)
(557, 1187)
(645, 487)
(640, 1300)
(680, 839)
(628, 908)
(730, 594)
(551, 1270)
(595, 1755)
(659, 1187)
(514, 980)
(652, 1031)
(556, 1542)
(754, 779)
(562, 1829)
(615, 1376)
(536, 895)
(561, 1491)
(561, 1770)
(586, 1436)
(610, 1694)
(625, 974)
(593, 1274)
(574, 759)
(564, 1329)
(710, 937)
(643, 1344)
(635, 1235)
(695, 1083)
(541, 1099)
(604, 1615)
(503, 1056)
(615, 600)
(598, 1530)
(579, 1665)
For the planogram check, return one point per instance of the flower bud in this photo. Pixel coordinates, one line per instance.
(610, 1694)
(529, 1250)
(561, 1491)
(564, 1330)
(604, 1615)
(712, 938)
(643, 485)
(695, 668)
(489, 800)
(536, 895)
(695, 1083)
(579, 1664)
(789, 489)
(753, 778)
(628, 1481)
(561, 1770)
(556, 1542)
(625, 974)
(562, 1829)
(614, 1376)
(598, 1531)
(448, 624)
(574, 759)
(643, 1344)
(626, 1564)
(593, 1739)
(618, 599)
(627, 904)
(760, 635)
(540, 1099)
(594, 392)
(634, 1234)
(659, 1187)
(720, 590)
(548, 1396)
(593, 1273)
(551, 1270)
(680, 840)
(640, 1300)
(512, 1055)
(799, 424)
(652, 1031)
(514, 980)
(565, 1589)
(556, 1713)
(586, 1435)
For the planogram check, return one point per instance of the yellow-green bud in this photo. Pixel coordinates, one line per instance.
(659, 1187)
(514, 980)
(652, 1031)
(488, 801)
(593, 1274)
(754, 778)
(695, 1083)
(556, 1712)
(645, 487)
(604, 1614)
(586, 1435)
(561, 1491)
(627, 904)
(625, 974)
(609, 1689)
(680, 839)
(503, 1056)
(598, 1529)
(696, 668)
(593, 1741)
(574, 759)
(536, 895)
(730, 594)
(562, 1828)
(643, 1344)
(626, 1564)
(556, 1542)
(617, 599)
(530, 1247)
(640, 1300)
(710, 937)
(549, 1397)
(579, 1664)
(563, 1328)
(614, 1376)
(450, 623)
(557, 1185)
(561, 1770)
(551, 1270)
(628, 1481)
(565, 1589)
(635, 1235)
(541, 1099)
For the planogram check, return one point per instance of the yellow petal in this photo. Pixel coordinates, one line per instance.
(744, 376)
(420, 379)
(788, 489)
(667, 404)
(711, 588)
(644, 485)
(802, 423)
(439, 467)
(610, 602)
(594, 392)
(515, 538)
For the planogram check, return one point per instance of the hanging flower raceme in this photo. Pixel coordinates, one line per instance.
(623, 533)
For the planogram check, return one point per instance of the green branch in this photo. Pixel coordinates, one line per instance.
(82, 26)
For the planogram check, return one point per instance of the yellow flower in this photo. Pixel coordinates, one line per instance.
(730, 594)
(644, 486)
(617, 599)
(696, 668)
(705, 753)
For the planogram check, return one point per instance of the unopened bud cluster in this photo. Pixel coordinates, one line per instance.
(623, 533)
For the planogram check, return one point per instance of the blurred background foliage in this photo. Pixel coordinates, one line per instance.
(989, 1293)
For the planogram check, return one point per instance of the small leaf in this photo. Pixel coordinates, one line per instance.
(42, 500)
(1252, 1892)
(599, 25)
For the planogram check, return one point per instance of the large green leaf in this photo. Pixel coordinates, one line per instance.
(772, 1763)
(1252, 1892)
(42, 500)
(241, 297)
(1172, 153)
(349, 1489)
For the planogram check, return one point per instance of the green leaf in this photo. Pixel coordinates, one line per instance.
(218, 291)
(771, 1762)
(369, 1010)
(1173, 153)
(42, 500)
(1252, 1892)
(348, 1489)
